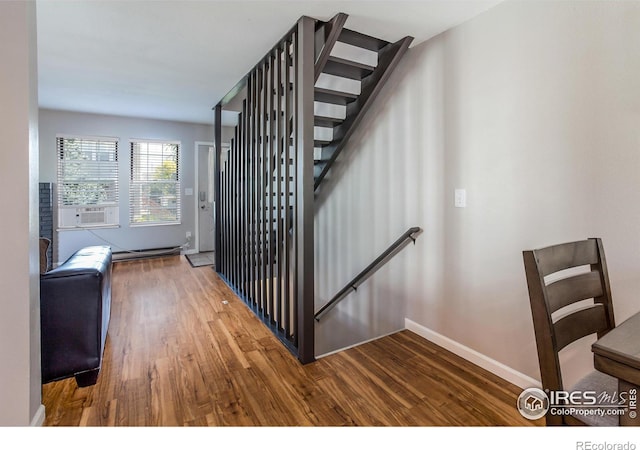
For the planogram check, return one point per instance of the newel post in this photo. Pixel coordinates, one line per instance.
(305, 188)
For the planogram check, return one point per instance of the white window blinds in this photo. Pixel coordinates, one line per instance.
(155, 183)
(87, 181)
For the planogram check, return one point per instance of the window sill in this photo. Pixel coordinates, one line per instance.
(142, 225)
(94, 227)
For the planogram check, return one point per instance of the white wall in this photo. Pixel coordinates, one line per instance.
(125, 128)
(534, 108)
(20, 399)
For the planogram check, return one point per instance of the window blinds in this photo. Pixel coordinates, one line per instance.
(154, 192)
(87, 171)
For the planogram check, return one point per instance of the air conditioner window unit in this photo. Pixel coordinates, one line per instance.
(73, 217)
(91, 216)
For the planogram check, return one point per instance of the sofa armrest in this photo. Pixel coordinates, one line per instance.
(75, 304)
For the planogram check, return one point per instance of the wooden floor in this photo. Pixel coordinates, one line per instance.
(178, 354)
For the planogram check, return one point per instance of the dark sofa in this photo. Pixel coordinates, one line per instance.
(75, 307)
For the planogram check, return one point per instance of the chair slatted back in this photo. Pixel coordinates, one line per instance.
(546, 298)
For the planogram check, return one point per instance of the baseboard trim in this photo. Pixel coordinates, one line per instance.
(142, 254)
(38, 417)
(471, 355)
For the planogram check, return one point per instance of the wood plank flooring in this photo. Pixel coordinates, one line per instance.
(178, 355)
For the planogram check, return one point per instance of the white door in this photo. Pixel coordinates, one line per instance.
(205, 201)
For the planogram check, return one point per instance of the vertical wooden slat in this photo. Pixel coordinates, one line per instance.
(305, 189)
(255, 152)
(238, 201)
(268, 96)
(234, 200)
(222, 251)
(258, 225)
(286, 299)
(255, 233)
(228, 212)
(258, 231)
(251, 237)
(292, 301)
(227, 215)
(240, 286)
(266, 137)
(216, 182)
(280, 157)
(232, 205)
(229, 270)
(263, 218)
(242, 203)
(256, 211)
(224, 220)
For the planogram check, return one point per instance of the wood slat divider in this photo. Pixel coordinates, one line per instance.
(263, 257)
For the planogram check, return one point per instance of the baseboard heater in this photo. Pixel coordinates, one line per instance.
(148, 253)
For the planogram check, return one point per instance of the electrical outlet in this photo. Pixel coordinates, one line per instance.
(188, 234)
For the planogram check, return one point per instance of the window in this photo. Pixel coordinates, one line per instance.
(87, 181)
(155, 183)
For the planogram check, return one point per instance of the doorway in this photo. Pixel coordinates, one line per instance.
(205, 210)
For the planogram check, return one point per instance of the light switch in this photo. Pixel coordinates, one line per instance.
(188, 191)
(460, 198)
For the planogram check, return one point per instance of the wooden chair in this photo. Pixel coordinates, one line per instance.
(560, 295)
(44, 257)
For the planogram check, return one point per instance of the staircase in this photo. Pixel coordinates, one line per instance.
(355, 102)
(311, 89)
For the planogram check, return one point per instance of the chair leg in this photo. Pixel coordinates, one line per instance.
(87, 378)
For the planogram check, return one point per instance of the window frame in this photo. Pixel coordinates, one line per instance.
(135, 202)
(64, 206)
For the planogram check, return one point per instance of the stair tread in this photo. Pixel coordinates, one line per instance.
(332, 96)
(346, 68)
(350, 63)
(361, 40)
(326, 121)
(335, 92)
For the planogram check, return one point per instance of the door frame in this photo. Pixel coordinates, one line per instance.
(196, 232)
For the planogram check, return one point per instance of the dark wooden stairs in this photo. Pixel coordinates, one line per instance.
(371, 78)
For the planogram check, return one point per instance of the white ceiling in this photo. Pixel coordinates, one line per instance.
(176, 59)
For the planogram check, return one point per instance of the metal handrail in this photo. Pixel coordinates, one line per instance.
(389, 253)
